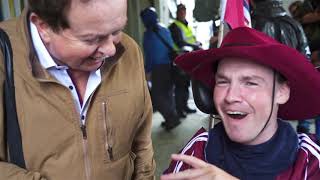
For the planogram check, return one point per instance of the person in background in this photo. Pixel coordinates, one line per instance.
(255, 85)
(270, 17)
(156, 40)
(184, 41)
(315, 58)
(213, 41)
(84, 108)
(308, 14)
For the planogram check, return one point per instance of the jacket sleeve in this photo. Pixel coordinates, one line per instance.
(195, 147)
(303, 42)
(10, 171)
(142, 144)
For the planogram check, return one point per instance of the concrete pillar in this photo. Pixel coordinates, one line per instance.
(134, 26)
(163, 11)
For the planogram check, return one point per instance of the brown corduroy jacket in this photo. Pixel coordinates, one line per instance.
(53, 144)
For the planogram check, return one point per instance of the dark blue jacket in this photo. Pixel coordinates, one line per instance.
(155, 51)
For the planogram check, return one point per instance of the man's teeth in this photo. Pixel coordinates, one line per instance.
(100, 58)
(236, 113)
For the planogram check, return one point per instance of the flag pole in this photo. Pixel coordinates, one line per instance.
(228, 20)
(220, 33)
(223, 30)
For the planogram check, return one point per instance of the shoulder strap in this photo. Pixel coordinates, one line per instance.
(13, 134)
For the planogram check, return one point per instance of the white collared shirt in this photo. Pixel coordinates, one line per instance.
(60, 73)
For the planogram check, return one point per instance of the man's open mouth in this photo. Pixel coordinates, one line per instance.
(237, 114)
(99, 58)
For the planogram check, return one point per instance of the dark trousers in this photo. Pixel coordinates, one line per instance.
(162, 92)
(181, 83)
(314, 45)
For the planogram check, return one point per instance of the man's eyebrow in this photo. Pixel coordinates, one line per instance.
(91, 35)
(220, 76)
(247, 77)
(253, 77)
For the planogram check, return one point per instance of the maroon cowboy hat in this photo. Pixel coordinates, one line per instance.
(247, 43)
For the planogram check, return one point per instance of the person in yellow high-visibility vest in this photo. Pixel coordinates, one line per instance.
(181, 32)
(184, 41)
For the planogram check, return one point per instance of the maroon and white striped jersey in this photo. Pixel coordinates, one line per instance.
(306, 166)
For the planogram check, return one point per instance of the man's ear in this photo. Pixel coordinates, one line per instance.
(283, 93)
(42, 27)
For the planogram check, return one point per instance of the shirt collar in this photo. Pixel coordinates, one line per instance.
(44, 57)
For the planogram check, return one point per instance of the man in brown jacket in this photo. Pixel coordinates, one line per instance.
(83, 105)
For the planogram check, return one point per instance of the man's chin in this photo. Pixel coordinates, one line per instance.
(238, 139)
(94, 65)
(87, 68)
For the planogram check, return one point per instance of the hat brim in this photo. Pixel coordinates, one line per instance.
(303, 78)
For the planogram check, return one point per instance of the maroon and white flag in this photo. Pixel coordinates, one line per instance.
(236, 13)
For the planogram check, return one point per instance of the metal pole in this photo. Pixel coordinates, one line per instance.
(213, 119)
(223, 30)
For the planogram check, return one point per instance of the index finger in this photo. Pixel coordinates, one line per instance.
(190, 160)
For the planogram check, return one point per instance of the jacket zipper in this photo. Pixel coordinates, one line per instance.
(85, 150)
(109, 131)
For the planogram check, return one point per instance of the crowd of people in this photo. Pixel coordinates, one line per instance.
(83, 101)
(169, 84)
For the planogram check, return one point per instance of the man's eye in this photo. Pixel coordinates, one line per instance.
(251, 83)
(221, 82)
(92, 41)
(116, 33)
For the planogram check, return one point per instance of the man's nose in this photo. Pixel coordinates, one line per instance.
(107, 47)
(233, 94)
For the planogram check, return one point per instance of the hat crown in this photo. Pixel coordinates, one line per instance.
(244, 36)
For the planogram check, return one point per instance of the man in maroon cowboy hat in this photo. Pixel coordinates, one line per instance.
(257, 83)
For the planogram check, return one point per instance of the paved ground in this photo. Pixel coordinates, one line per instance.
(166, 143)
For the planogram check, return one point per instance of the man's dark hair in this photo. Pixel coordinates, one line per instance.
(53, 12)
(181, 7)
(281, 79)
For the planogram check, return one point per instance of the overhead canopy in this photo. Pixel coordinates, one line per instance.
(206, 10)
